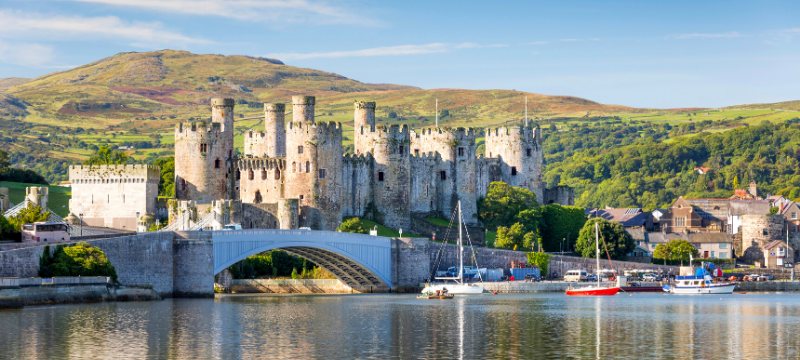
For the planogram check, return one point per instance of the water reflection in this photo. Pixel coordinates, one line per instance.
(400, 326)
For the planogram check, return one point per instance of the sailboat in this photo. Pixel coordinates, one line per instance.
(459, 288)
(594, 290)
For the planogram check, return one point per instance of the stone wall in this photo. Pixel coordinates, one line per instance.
(518, 148)
(260, 216)
(410, 262)
(260, 180)
(193, 267)
(290, 286)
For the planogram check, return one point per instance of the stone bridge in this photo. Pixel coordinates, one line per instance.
(360, 261)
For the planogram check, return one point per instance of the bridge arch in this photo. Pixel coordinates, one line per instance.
(358, 260)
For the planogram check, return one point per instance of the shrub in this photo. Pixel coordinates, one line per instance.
(542, 260)
(80, 259)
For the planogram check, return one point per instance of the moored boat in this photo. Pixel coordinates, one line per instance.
(594, 290)
(699, 285)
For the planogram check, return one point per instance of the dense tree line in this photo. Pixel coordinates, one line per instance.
(652, 174)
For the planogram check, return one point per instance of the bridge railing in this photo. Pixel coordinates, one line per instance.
(298, 232)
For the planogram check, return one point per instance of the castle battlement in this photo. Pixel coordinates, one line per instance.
(358, 159)
(278, 107)
(364, 105)
(454, 137)
(427, 157)
(227, 102)
(202, 127)
(261, 163)
(123, 172)
(515, 133)
(320, 129)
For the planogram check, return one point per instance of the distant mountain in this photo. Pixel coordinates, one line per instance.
(8, 82)
(12, 106)
(169, 85)
(785, 105)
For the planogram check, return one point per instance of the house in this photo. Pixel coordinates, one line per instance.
(633, 217)
(701, 170)
(746, 194)
(791, 215)
(695, 215)
(777, 253)
(740, 208)
(709, 244)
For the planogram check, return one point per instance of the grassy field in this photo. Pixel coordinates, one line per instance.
(58, 199)
(385, 231)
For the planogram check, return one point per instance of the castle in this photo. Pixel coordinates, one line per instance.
(294, 174)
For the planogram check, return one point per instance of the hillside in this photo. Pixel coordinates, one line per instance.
(785, 105)
(8, 82)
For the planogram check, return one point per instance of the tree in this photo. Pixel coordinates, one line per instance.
(392, 115)
(540, 259)
(106, 156)
(735, 182)
(561, 223)
(294, 273)
(618, 242)
(445, 113)
(663, 251)
(29, 215)
(166, 187)
(503, 203)
(80, 259)
(681, 249)
(353, 225)
(508, 238)
(4, 160)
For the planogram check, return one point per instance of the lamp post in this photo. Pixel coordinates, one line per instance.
(158, 224)
(137, 221)
(183, 219)
(80, 219)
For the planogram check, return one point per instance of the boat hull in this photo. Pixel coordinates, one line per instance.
(711, 289)
(593, 291)
(455, 289)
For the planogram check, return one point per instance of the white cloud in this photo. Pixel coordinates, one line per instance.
(378, 51)
(570, 40)
(31, 55)
(727, 35)
(470, 45)
(282, 11)
(19, 25)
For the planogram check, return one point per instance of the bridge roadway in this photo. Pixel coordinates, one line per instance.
(360, 261)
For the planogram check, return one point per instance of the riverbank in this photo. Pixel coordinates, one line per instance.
(561, 286)
(19, 292)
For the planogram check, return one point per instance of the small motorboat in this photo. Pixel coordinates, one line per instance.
(437, 295)
(699, 285)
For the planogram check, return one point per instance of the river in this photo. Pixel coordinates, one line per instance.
(505, 326)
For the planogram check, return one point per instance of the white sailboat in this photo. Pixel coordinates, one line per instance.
(459, 287)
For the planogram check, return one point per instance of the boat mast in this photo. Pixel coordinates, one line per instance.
(597, 248)
(460, 250)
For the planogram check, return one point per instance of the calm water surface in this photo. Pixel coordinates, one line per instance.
(642, 326)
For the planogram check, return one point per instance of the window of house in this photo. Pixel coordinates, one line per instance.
(380, 175)
(216, 164)
(795, 228)
(764, 232)
(416, 152)
(322, 173)
(713, 254)
(460, 151)
(723, 245)
(300, 149)
(308, 166)
(794, 216)
(443, 174)
(680, 221)
(513, 171)
(529, 152)
(251, 175)
(263, 174)
(401, 149)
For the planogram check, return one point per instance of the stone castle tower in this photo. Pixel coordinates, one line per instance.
(395, 174)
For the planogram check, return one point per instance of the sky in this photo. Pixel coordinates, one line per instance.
(666, 54)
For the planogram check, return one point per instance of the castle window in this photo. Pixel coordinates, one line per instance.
(380, 175)
(401, 149)
(203, 148)
(300, 149)
(238, 174)
(216, 164)
(513, 171)
(277, 174)
(529, 152)
(416, 152)
(308, 166)
(443, 174)
(322, 173)
(294, 167)
(460, 151)
(251, 175)
(257, 198)
(263, 174)
(490, 154)
(764, 232)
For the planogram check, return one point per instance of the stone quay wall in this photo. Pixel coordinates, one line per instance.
(290, 286)
(497, 258)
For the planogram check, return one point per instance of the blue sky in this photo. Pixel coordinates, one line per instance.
(639, 53)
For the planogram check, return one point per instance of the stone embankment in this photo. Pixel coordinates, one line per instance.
(19, 292)
(290, 286)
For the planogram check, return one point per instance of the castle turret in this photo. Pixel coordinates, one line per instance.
(201, 168)
(274, 120)
(303, 108)
(222, 113)
(519, 151)
(390, 147)
(363, 125)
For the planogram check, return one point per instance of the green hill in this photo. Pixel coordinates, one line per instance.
(8, 82)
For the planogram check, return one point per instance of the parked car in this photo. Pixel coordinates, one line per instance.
(651, 277)
(768, 276)
(591, 277)
(532, 278)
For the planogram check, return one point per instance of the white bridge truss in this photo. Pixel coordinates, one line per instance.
(356, 259)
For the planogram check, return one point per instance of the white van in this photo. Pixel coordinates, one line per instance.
(575, 275)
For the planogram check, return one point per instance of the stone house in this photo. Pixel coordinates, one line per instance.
(777, 253)
(633, 217)
(710, 245)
